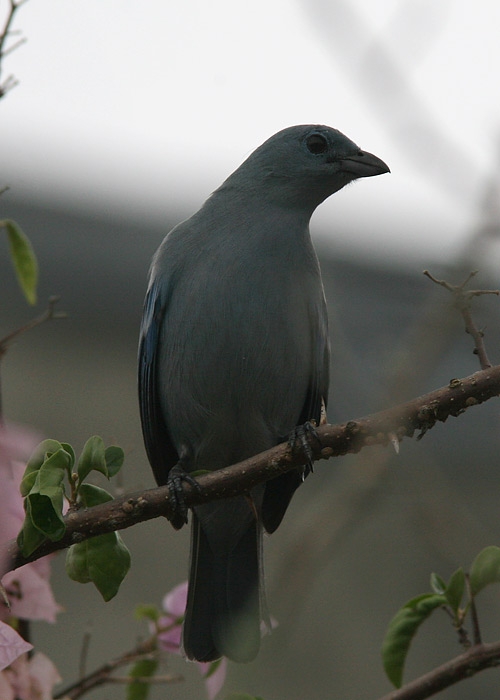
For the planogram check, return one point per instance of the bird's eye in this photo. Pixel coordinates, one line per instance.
(316, 144)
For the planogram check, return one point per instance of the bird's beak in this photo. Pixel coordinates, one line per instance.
(364, 164)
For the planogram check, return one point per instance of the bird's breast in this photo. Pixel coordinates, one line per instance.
(237, 351)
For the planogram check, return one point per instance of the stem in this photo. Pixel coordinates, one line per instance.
(10, 82)
(463, 299)
(476, 631)
(5, 342)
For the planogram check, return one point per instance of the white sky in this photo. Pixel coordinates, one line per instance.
(147, 105)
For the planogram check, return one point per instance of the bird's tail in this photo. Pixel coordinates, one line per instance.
(223, 604)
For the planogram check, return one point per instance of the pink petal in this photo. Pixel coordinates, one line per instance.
(171, 641)
(213, 681)
(31, 596)
(43, 676)
(12, 645)
(19, 677)
(6, 690)
(175, 601)
(16, 444)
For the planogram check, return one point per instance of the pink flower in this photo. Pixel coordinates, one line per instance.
(30, 593)
(170, 624)
(214, 674)
(28, 587)
(170, 639)
(6, 690)
(16, 445)
(12, 645)
(174, 603)
(30, 679)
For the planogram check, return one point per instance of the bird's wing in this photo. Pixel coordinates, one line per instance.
(317, 394)
(280, 490)
(159, 447)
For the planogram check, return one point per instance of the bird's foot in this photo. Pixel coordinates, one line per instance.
(298, 440)
(176, 478)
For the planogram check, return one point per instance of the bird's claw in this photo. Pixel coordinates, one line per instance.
(297, 440)
(176, 478)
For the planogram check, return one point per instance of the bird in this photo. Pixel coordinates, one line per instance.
(234, 357)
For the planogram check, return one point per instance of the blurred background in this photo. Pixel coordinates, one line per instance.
(127, 115)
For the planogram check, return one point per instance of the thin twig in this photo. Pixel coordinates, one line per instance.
(10, 81)
(103, 674)
(14, 46)
(476, 631)
(463, 637)
(82, 666)
(47, 315)
(462, 300)
(147, 680)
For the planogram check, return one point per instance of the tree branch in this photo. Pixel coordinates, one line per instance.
(376, 429)
(475, 659)
(46, 315)
(463, 298)
(10, 81)
(102, 675)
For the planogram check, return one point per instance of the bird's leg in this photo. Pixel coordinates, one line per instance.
(297, 440)
(177, 476)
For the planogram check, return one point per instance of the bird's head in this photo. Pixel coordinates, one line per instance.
(303, 165)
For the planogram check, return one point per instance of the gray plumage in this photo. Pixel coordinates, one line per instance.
(234, 355)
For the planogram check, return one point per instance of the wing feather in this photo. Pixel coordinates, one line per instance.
(159, 447)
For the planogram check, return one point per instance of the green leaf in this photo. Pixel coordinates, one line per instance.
(402, 628)
(27, 483)
(144, 668)
(93, 457)
(147, 612)
(437, 584)
(455, 590)
(53, 470)
(104, 560)
(23, 258)
(30, 538)
(91, 495)
(45, 512)
(41, 453)
(71, 453)
(44, 492)
(114, 459)
(485, 569)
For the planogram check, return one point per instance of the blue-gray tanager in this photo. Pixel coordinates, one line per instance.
(234, 356)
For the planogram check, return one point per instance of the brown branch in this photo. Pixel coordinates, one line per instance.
(103, 675)
(462, 300)
(475, 659)
(377, 429)
(46, 315)
(10, 81)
